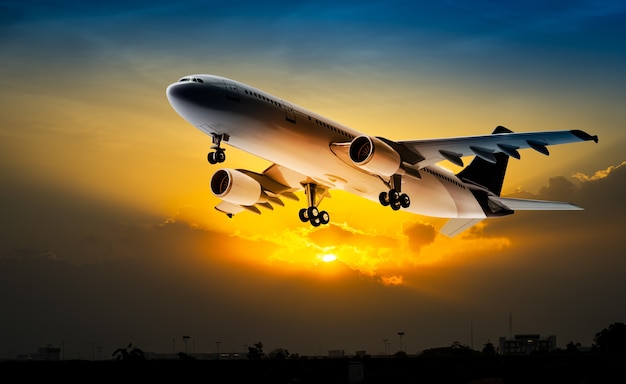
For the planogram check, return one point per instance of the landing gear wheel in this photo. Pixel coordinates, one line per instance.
(383, 197)
(393, 196)
(313, 212)
(405, 200)
(216, 157)
(314, 216)
(304, 215)
(324, 217)
(220, 156)
(394, 199)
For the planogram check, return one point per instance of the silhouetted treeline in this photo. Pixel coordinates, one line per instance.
(604, 362)
(477, 368)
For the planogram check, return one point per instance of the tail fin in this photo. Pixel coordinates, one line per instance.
(486, 174)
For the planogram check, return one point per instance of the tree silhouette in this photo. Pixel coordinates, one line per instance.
(184, 356)
(256, 352)
(129, 353)
(279, 353)
(572, 348)
(489, 349)
(611, 340)
(456, 349)
(400, 355)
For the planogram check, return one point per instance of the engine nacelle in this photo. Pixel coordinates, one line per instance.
(235, 187)
(374, 155)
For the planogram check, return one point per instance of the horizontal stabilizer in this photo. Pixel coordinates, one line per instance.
(455, 226)
(534, 205)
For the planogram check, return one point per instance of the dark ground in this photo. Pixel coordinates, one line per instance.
(581, 369)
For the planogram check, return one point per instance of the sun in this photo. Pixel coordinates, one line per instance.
(328, 258)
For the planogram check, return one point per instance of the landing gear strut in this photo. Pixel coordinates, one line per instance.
(217, 156)
(395, 198)
(312, 214)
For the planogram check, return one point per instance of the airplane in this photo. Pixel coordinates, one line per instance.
(315, 154)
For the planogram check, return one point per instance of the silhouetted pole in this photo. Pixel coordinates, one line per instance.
(217, 343)
(385, 341)
(401, 334)
(472, 334)
(185, 338)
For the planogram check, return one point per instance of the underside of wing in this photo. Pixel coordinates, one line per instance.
(502, 140)
(273, 185)
(534, 205)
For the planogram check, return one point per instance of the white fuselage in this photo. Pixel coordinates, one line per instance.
(295, 138)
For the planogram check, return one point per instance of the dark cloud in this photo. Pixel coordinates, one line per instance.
(601, 198)
(419, 235)
(20, 255)
(175, 280)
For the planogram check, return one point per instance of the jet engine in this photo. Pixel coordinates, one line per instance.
(235, 187)
(374, 155)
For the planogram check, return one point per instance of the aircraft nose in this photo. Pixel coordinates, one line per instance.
(188, 98)
(184, 93)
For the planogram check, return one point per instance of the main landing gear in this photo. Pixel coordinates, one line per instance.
(217, 156)
(312, 214)
(395, 198)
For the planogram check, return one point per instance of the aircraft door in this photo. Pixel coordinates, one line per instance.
(231, 90)
(290, 114)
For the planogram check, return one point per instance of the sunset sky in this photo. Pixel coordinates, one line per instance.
(108, 232)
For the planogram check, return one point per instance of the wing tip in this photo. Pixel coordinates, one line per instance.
(584, 135)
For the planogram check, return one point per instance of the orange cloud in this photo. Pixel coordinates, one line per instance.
(384, 254)
(601, 174)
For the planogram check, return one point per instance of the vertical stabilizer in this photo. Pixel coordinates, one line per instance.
(486, 174)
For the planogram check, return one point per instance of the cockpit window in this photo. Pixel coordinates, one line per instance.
(194, 79)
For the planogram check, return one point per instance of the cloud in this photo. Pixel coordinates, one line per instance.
(27, 255)
(600, 195)
(343, 234)
(246, 288)
(601, 174)
(419, 235)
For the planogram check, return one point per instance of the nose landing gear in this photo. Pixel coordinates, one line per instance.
(217, 156)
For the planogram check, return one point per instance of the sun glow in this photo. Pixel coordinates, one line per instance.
(328, 258)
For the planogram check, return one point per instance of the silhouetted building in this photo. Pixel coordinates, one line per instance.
(526, 344)
(48, 352)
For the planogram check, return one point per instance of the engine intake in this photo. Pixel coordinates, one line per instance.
(374, 155)
(235, 187)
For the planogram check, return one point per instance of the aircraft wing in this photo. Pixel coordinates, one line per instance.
(485, 146)
(276, 182)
